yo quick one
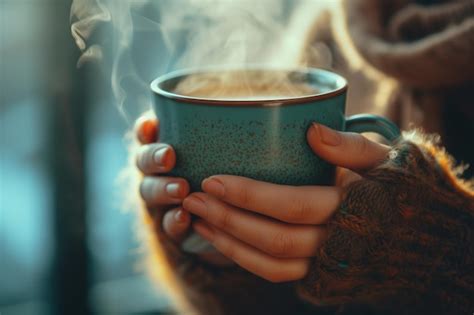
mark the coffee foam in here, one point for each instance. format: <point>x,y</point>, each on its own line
<point>245,85</point>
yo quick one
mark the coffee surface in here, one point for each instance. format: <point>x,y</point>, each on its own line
<point>242,85</point>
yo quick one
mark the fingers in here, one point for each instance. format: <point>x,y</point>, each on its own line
<point>349,150</point>
<point>155,158</point>
<point>292,204</point>
<point>273,237</point>
<point>146,129</point>
<point>268,267</point>
<point>176,224</point>
<point>161,191</point>
<point>344,177</point>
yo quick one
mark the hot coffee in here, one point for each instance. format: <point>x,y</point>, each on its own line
<point>245,85</point>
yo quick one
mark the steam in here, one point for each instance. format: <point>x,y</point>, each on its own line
<point>245,84</point>
<point>138,40</point>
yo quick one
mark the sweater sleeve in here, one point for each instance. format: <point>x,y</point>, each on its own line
<point>402,238</point>
<point>420,45</point>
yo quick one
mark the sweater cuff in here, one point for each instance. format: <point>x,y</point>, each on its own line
<point>402,236</point>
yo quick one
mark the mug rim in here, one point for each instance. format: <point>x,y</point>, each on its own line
<point>338,79</point>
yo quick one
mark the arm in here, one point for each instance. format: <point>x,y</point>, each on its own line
<point>401,239</point>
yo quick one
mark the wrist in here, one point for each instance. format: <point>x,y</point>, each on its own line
<point>398,234</point>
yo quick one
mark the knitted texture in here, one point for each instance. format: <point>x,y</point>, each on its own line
<point>427,46</point>
<point>420,45</point>
<point>402,239</point>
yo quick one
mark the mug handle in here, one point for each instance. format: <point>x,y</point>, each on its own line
<point>373,123</point>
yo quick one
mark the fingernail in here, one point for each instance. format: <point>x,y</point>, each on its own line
<point>180,216</point>
<point>213,186</point>
<point>327,135</point>
<point>204,230</point>
<point>174,190</point>
<point>195,205</point>
<point>160,156</point>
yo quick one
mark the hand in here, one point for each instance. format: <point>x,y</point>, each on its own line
<point>273,230</point>
<point>164,195</point>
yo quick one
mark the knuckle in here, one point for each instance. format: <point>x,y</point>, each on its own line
<point>144,160</point>
<point>362,145</point>
<point>224,220</point>
<point>298,212</point>
<point>228,250</point>
<point>144,189</point>
<point>282,244</point>
<point>140,158</point>
<point>209,210</point>
<point>150,190</point>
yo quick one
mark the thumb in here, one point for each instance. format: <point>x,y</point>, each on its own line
<point>345,149</point>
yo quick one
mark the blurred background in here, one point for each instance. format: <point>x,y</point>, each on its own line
<point>65,245</point>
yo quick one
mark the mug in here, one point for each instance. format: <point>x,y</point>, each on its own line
<point>263,139</point>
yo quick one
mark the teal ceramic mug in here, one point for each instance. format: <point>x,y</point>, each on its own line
<point>263,138</point>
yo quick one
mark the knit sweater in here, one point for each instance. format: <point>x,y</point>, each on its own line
<point>403,238</point>
<point>427,47</point>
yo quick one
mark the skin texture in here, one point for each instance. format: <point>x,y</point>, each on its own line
<point>270,230</point>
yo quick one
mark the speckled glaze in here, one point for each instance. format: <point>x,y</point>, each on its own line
<point>264,140</point>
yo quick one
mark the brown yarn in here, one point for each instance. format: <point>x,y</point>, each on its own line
<point>420,46</point>
<point>402,240</point>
